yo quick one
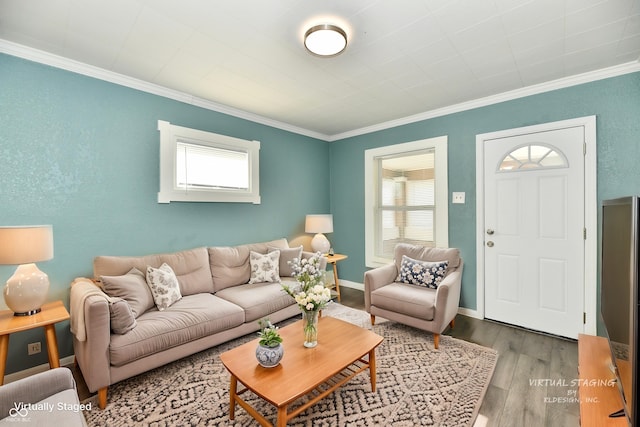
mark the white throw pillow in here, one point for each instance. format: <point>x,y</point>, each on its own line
<point>265,268</point>
<point>164,286</point>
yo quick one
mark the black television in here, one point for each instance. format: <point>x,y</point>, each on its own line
<point>619,295</point>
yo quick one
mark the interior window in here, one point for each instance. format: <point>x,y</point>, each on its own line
<point>405,192</point>
<point>198,166</point>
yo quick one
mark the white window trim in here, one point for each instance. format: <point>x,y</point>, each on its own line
<point>169,137</point>
<point>371,189</point>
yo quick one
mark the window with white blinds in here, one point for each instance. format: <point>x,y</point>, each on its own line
<point>198,166</point>
<point>405,192</point>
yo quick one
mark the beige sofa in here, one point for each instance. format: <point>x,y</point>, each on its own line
<point>218,304</point>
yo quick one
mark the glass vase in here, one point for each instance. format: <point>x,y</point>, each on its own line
<point>310,325</point>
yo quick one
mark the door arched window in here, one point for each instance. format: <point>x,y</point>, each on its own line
<point>533,156</point>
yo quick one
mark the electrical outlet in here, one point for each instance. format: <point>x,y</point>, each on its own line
<point>34,348</point>
<point>458,197</point>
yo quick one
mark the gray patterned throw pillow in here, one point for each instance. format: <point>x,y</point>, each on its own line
<point>265,268</point>
<point>164,286</point>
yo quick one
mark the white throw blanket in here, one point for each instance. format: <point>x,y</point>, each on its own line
<point>81,289</point>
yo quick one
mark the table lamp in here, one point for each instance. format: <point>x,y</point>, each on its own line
<point>319,224</point>
<point>27,289</point>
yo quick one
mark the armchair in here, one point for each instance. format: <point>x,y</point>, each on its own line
<point>387,295</point>
<point>46,398</point>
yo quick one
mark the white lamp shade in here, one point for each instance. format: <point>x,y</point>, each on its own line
<point>319,223</point>
<point>27,289</point>
<point>23,245</point>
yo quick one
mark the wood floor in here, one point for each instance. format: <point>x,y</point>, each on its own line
<point>532,385</point>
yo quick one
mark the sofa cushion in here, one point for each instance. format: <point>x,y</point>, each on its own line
<point>230,264</point>
<point>422,273</point>
<point>258,299</point>
<point>191,318</point>
<point>122,318</point>
<point>164,286</point>
<point>286,257</point>
<point>265,267</point>
<point>132,287</point>
<point>414,301</point>
<point>424,253</point>
<point>191,268</point>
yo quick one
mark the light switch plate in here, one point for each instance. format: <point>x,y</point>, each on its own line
<point>458,197</point>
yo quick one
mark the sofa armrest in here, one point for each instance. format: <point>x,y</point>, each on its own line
<point>92,354</point>
<point>35,388</point>
<point>377,278</point>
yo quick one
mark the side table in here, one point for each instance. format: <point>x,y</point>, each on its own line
<point>335,259</point>
<point>52,313</point>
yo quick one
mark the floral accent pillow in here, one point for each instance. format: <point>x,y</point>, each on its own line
<point>265,267</point>
<point>164,286</point>
<point>422,273</point>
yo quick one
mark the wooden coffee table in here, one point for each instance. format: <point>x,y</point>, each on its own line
<point>312,372</point>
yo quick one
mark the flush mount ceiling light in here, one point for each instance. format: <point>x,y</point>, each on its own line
<point>325,40</point>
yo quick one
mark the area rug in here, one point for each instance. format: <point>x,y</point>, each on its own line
<point>416,385</point>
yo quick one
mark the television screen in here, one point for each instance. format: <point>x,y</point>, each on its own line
<point>618,296</point>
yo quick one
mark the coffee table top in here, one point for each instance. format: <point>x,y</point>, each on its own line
<point>339,345</point>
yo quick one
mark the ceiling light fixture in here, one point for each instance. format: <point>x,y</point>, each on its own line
<point>325,40</point>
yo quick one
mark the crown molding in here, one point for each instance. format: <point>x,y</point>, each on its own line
<point>77,67</point>
<point>35,55</point>
<point>578,79</point>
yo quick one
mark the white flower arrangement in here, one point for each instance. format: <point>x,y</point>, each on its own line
<point>312,295</point>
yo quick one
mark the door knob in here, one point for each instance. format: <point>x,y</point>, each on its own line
<point>490,231</point>
<point>490,243</point>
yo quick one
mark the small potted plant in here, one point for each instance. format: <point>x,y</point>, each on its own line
<point>269,351</point>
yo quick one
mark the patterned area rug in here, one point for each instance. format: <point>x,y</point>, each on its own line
<point>416,385</point>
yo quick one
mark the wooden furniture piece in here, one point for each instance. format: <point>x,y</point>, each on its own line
<point>317,372</point>
<point>333,260</point>
<point>51,314</point>
<point>598,390</point>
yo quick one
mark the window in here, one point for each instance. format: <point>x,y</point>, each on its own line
<point>198,166</point>
<point>405,197</point>
<point>533,156</point>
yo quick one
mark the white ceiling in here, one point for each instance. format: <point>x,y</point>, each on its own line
<point>404,57</point>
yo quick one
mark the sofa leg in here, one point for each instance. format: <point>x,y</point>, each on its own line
<point>436,340</point>
<point>373,320</point>
<point>452,323</point>
<point>102,397</point>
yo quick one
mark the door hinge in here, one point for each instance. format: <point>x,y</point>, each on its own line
<point>584,318</point>
<point>584,233</point>
<point>584,148</point>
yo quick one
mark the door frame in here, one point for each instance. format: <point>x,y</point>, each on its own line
<point>590,211</point>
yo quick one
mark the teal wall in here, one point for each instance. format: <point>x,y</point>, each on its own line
<point>615,102</point>
<point>82,154</point>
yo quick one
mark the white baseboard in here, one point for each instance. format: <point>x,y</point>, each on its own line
<point>35,370</point>
<point>352,285</point>
<point>469,312</point>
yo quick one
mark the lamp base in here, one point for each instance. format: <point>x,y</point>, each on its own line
<point>26,290</point>
<point>29,313</point>
<point>320,243</point>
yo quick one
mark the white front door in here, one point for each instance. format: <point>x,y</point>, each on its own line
<point>534,225</point>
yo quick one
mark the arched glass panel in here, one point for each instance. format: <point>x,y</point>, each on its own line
<point>533,156</point>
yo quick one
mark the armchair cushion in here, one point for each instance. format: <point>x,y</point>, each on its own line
<point>422,273</point>
<point>410,300</point>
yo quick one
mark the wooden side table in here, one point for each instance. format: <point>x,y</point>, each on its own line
<point>52,313</point>
<point>335,259</point>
